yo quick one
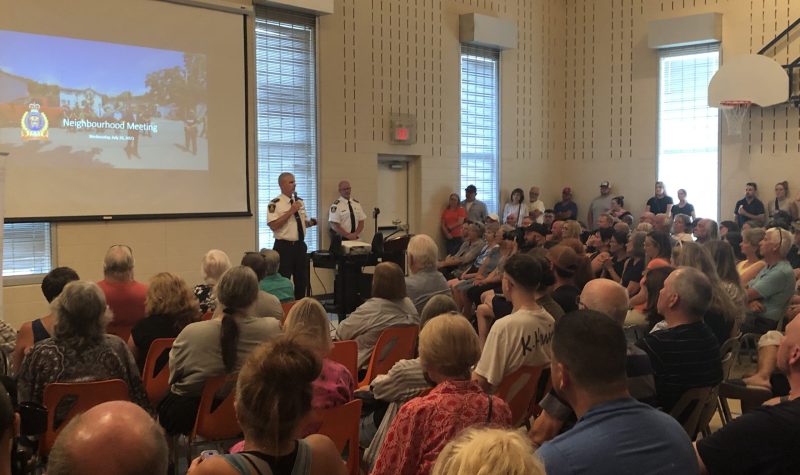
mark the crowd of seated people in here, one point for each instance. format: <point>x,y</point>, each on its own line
<point>624,318</point>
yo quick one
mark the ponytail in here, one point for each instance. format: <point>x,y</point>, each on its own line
<point>229,339</point>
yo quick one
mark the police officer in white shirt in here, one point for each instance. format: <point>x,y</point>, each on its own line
<point>286,216</point>
<point>346,217</point>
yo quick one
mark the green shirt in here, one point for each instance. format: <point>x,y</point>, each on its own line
<point>278,286</point>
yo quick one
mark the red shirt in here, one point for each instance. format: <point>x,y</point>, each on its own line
<point>424,425</point>
<point>126,301</point>
<point>450,218</point>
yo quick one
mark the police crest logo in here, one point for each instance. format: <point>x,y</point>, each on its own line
<point>271,207</point>
<point>34,124</point>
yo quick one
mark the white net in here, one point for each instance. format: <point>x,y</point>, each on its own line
<point>735,112</point>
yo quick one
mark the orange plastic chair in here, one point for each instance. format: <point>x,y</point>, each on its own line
<point>156,383</point>
<point>207,316</point>
<point>286,307</point>
<point>346,354</point>
<point>394,344</point>
<point>86,395</point>
<point>341,425</point>
<point>216,420</point>
<point>518,389</point>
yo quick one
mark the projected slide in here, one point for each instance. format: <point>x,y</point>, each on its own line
<point>75,103</point>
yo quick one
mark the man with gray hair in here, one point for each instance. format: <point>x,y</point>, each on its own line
<point>124,295</point>
<point>768,293</point>
<point>274,283</point>
<point>611,299</point>
<point>86,445</point>
<point>706,230</point>
<point>457,263</point>
<point>685,354</point>
<point>425,281</point>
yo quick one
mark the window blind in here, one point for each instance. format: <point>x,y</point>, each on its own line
<point>688,130</point>
<point>26,249</point>
<point>480,127</point>
<point>286,111</point>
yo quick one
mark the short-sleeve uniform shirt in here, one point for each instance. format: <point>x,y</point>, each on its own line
<point>340,213</point>
<point>280,206</point>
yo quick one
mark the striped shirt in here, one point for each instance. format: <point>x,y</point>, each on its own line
<point>683,357</point>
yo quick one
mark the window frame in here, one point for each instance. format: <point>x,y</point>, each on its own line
<point>34,278</point>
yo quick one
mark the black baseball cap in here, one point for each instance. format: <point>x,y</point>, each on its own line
<point>537,228</point>
<point>471,188</point>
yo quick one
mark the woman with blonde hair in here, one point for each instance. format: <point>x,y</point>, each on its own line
<point>782,202</point>
<point>273,397</point>
<point>753,262</point>
<point>169,307</point>
<point>488,451</point>
<point>571,229</point>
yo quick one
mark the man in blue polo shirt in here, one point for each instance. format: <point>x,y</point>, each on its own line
<point>749,208</point>
<point>614,433</point>
<point>769,292</point>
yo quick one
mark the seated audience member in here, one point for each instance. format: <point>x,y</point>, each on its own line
<point>565,264</point>
<point>404,381</point>
<point>685,355</point>
<point>682,206</point>
<point>734,238</point>
<point>170,306</point>
<point>682,228</point>
<point>794,252</point>
<point>556,228</point>
<point>213,347</point>
<point>273,282</point>
<point>215,263</point>
<point>768,345</point>
<point>124,295</point>
<point>488,451</point>
<point>452,223</point>
<point>534,235</point>
<point>40,329</point>
<point>9,427</point>
<point>611,299</point>
<point>753,261</point>
<point>614,433</point>
<point>769,292</point>
<point>80,350</point>
<point>662,223</point>
<point>612,264</point>
<point>549,217</point>
<point>723,315</point>
<point>634,266</point>
<point>424,280</point>
<point>267,305</point>
<point>647,218</point>
<point>725,264</point>
<point>646,314</point>
<point>487,259</point>
<point>86,444</point>
<point>389,306</point>
<point>467,294</point>
<point>493,218</point>
<point>622,227</point>
<point>764,440</point>
<point>619,212</point>
<point>728,226</point>
<point>646,228</point>
<point>273,397</point>
<point>455,264</point>
<point>571,229</point>
<point>705,230</point>
<point>657,249</point>
<point>448,348</point>
<point>523,337</point>
<point>583,273</point>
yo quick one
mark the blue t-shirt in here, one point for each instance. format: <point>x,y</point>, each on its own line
<point>621,437</point>
<point>776,285</point>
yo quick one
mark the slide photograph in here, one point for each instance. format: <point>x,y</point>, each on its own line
<point>68,102</point>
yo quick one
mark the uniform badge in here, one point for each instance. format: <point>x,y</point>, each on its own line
<point>34,124</point>
<point>333,209</point>
<point>271,207</point>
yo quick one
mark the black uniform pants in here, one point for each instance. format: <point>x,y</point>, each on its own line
<point>294,264</point>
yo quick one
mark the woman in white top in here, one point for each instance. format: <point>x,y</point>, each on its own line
<point>516,206</point>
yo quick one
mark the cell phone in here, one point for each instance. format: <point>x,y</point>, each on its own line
<point>208,453</point>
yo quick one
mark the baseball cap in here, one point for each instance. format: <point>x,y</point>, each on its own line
<point>604,184</point>
<point>493,217</point>
<point>471,188</point>
<point>537,228</point>
<point>564,257</point>
<point>566,190</point>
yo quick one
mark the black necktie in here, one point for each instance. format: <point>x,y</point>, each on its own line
<point>300,233</point>
<point>352,217</point>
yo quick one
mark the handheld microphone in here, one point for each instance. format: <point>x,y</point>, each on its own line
<point>297,197</point>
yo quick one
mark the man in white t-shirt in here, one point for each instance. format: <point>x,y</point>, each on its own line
<point>599,205</point>
<point>537,206</point>
<point>523,337</point>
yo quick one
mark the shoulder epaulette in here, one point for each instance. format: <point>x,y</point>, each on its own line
<point>354,200</point>
<point>336,202</point>
<point>275,200</point>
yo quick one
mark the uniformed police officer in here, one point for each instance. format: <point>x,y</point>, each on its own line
<point>346,217</point>
<point>287,218</point>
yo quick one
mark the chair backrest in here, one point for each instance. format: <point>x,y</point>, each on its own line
<point>346,353</point>
<point>394,344</point>
<point>695,409</point>
<point>728,352</point>
<point>341,424</point>
<point>519,389</point>
<point>286,306</point>
<point>79,397</point>
<point>216,417</point>
<point>155,375</point>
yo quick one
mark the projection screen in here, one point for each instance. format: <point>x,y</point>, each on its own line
<point>113,108</point>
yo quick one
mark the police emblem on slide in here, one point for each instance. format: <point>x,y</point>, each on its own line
<point>34,124</point>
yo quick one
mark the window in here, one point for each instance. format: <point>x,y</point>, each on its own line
<point>688,130</point>
<point>286,112</point>
<point>480,125</point>
<point>26,249</point>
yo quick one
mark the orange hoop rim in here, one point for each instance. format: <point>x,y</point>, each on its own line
<point>735,103</point>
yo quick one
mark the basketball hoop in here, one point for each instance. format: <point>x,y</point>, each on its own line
<point>735,112</point>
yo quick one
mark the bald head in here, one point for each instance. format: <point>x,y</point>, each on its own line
<point>118,263</point>
<point>84,446</point>
<point>345,189</point>
<point>606,296</point>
